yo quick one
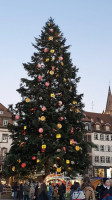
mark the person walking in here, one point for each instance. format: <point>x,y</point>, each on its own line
<point>1,189</point>
<point>76,193</point>
<point>50,192</point>
<point>88,189</point>
<point>26,190</point>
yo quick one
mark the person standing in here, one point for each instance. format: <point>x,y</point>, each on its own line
<point>50,192</point>
<point>61,191</point>
<point>42,192</point>
<point>36,192</point>
<point>26,190</point>
<point>1,189</point>
<point>15,190</point>
<point>105,190</point>
<point>55,191</point>
<point>88,189</point>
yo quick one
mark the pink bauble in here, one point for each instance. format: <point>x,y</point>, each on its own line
<point>41,59</point>
<point>47,84</point>
<point>39,78</point>
<point>17,117</point>
<point>60,58</point>
<point>72,130</point>
<point>44,108</point>
<point>60,103</point>
<point>39,66</point>
<point>46,50</point>
<point>34,158</point>
<point>59,94</point>
<point>64,149</point>
<point>61,118</point>
<point>40,130</point>
<point>51,30</point>
<point>53,68</point>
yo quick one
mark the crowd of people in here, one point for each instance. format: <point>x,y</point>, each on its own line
<point>53,191</point>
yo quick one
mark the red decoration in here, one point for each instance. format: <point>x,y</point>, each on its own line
<point>64,149</point>
<point>39,66</point>
<point>43,150</point>
<point>32,109</point>
<point>17,117</point>
<point>40,130</point>
<point>59,103</point>
<point>61,118</point>
<point>51,30</point>
<point>40,136</point>
<point>39,78</point>
<point>59,94</point>
<point>23,165</point>
<point>72,130</point>
<point>47,84</point>
<point>44,108</point>
<point>46,50</point>
<point>53,68</point>
<point>23,132</point>
<point>60,58</point>
<point>34,158</point>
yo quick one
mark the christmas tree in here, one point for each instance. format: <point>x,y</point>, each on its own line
<point>48,133</point>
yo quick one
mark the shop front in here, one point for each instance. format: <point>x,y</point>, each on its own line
<point>101,172</point>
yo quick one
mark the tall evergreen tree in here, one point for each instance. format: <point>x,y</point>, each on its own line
<point>48,133</point>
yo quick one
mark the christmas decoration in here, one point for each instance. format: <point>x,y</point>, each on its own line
<point>27,100</point>
<point>34,158</point>
<point>44,108</point>
<point>39,66</point>
<point>38,160</point>
<point>59,169</point>
<point>67,161</point>
<point>39,78</point>
<point>47,60</point>
<point>51,72</point>
<point>46,50</point>
<point>40,130</point>
<point>43,146</point>
<point>74,102</point>
<point>47,84</point>
<point>59,103</point>
<point>52,51</point>
<point>61,118</point>
<point>53,68</point>
<point>13,168</point>
<point>58,136</point>
<point>60,58</point>
<point>23,165</point>
<point>77,148</point>
<point>51,38</point>
<point>53,95</point>
<point>51,30</point>
<point>17,117</point>
<point>42,118</point>
<point>25,127</point>
<point>59,126</point>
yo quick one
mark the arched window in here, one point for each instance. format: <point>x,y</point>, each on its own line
<point>3,151</point>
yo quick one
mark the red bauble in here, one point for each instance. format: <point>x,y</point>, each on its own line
<point>59,103</point>
<point>60,58</point>
<point>40,130</point>
<point>53,68</point>
<point>64,149</point>
<point>43,150</point>
<point>61,118</point>
<point>72,130</point>
<point>23,165</point>
<point>44,108</point>
<point>46,50</point>
<point>17,117</point>
<point>47,84</point>
<point>34,158</point>
<point>51,30</point>
<point>39,66</point>
<point>39,78</point>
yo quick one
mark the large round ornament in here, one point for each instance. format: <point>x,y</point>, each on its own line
<point>23,165</point>
<point>60,58</point>
<point>53,95</point>
<point>46,50</point>
<point>34,158</point>
<point>51,72</point>
<point>42,118</point>
<point>59,103</point>
<point>59,126</point>
<point>47,84</point>
<point>17,117</point>
<point>40,130</point>
<point>27,100</point>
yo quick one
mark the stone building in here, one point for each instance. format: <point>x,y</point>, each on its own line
<point>5,140</point>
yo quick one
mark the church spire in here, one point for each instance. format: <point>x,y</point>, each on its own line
<point>109,102</point>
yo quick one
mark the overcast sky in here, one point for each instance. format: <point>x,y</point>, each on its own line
<point>87,26</point>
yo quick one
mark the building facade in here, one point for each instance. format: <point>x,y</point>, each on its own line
<point>99,131</point>
<point>5,140</point>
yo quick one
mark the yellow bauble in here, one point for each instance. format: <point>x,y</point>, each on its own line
<point>74,102</point>
<point>44,146</point>
<point>62,63</point>
<point>59,126</point>
<point>69,168</point>
<point>53,95</point>
<point>58,136</point>
<point>27,100</point>
<point>51,72</point>
<point>19,160</point>
<point>77,148</point>
<point>67,161</point>
<point>47,60</point>
<point>77,110</point>
<point>42,118</point>
<point>59,169</point>
<point>50,37</point>
<point>52,51</point>
<point>64,79</point>
<point>38,160</point>
<point>13,168</point>
<point>25,127</point>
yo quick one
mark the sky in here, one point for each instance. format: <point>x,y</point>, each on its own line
<point>87,26</point>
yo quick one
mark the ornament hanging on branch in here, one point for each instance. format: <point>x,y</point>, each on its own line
<point>51,30</point>
<point>46,50</point>
<point>47,84</point>
<point>42,118</point>
<point>40,130</point>
<point>23,165</point>
<point>17,117</point>
<point>39,66</point>
<point>44,108</point>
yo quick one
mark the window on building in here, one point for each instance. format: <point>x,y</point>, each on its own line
<point>5,122</point>
<point>95,136</point>
<point>89,138</point>
<point>4,151</point>
<point>97,127</point>
<point>107,148</point>
<point>102,121</point>
<point>96,148</point>
<point>96,158</point>
<point>4,137</point>
<point>1,112</point>
<point>107,128</point>
<point>107,159</point>
<point>107,137</point>
<point>101,136</point>
<point>92,120</point>
<point>101,147</point>
<point>86,127</point>
<point>102,159</point>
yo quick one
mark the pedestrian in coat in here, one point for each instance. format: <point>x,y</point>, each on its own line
<point>50,192</point>
<point>55,191</point>
<point>88,189</point>
<point>26,190</point>
<point>42,192</point>
<point>106,190</point>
